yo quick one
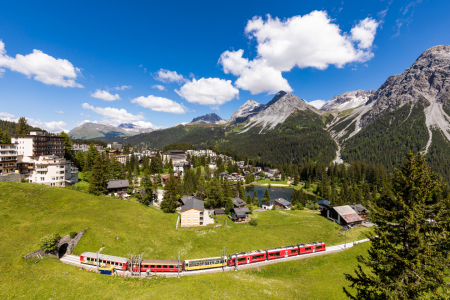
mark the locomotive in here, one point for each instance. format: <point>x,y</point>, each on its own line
<point>243,258</point>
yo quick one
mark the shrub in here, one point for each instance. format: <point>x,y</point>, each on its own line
<point>273,207</point>
<point>24,181</point>
<point>299,207</point>
<point>253,222</point>
<point>72,234</point>
<point>49,242</point>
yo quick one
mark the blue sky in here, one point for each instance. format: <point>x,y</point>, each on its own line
<point>159,63</point>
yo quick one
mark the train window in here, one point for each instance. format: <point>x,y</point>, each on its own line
<point>319,247</point>
<point>166,266</point>
<point>159,266</point>
<point>294,251</point>
<point>258,256</point>
<point>152,266</point>
<point>241,259</point>
<point>308,249</point>
<point>274,254</point>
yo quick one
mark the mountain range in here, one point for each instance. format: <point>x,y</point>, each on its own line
<point>409,112</point>
<point>90,130</point>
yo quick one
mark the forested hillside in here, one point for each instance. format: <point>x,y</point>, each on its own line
<point>389,138</point>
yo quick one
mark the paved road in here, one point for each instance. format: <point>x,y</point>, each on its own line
<point>75,261</point>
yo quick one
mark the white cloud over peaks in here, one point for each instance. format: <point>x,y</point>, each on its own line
<point>317,103</point>
<point>208,91</point>
<point>169,76</point>
<point>312,40</point>
<point>122,88</point>
<point>54,126</point>
<point>105,95</point>
<point>255,76</point>
<point>159,104</point>
<point>144,124</point>
<point>159,87</point>
<point>114,115</point>
<point>42,67</point>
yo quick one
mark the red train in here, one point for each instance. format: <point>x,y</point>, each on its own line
<point>173,266</point>
<point>274,253</point>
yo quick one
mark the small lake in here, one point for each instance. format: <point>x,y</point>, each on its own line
<point>274,192</point>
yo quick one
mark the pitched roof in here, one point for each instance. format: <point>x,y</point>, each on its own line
<point>238,202</point>
<point>117,184</point>
<point>348,214</point>
<point>323,202</point>
<point>279,201</point>
<point>219,211</point>
<point>359,208</point>
<point>193,203</point>
<point>241,212</point>
<point>186,198</point>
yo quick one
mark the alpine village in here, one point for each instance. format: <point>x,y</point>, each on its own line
<point>285,199</point>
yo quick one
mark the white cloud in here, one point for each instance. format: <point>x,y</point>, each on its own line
<point>169,76</point>
<point>54,126</point>
<point>144,124</point>
<point>159,87</point>
<point>87,116</point>
<point>105,95</point>
<point>123,87</point>
<point>317,103</point>
<point>311,40</point>
<point>114,115</point>
<point>208,91</point>
<point>159,104</point>
<point>364,33</point>
<point>42,67</point>
<point>59,111</point>
<point>254,76</point>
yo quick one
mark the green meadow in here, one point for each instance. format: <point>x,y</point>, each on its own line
<point>28,212</point>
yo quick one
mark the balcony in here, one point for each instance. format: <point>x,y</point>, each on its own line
<point>10,153</point>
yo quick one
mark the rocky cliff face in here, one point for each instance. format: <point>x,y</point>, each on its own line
<point>277,111</point>
<point>426,82</point>
<point>247,110</point>
<point>348,100</point>
<point>209,118</point>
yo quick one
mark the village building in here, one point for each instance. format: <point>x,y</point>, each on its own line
<point>115,145</point>
<point>343,215</point>
<point>181,167</point>
<point>175,155</point>
<point>8,158</point>
<point>118,185</point>
<point>240,212</point>
<point>279,203</point>
<point>193,213</point>
<point>360,210</point>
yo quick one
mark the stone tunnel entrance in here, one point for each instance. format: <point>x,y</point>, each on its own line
<point>62,250</point>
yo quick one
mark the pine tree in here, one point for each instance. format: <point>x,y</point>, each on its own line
<point>4,137</point>
<point>408,258</point>
<point>79,160</point>
<point>228,206</point>
<point>266,196</point>
<point>148,187</point>
<point>171,195</point>
<point>255,198</point>
<point>22,126</point>
<point>97,180</point>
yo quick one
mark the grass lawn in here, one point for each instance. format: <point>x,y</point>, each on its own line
<point>29,211</point>
<point>267,181</point>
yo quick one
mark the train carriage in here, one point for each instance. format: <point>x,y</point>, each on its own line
<point>247,257</point>
<point>90,258</point>
<point>312,247</point>
<point>281,252</point>
<point>205,263</point>
<point>160,265</point>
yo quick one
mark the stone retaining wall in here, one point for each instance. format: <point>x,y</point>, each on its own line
<point>12,177</point>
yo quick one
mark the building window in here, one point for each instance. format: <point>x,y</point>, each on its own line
<point>42,178</point>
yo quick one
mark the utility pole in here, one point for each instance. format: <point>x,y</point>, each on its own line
<point>346,239</point>
<point>178,266</point>
<point>97,261</point>
<point>223,255</point>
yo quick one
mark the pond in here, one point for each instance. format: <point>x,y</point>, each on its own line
<point>274,192</point>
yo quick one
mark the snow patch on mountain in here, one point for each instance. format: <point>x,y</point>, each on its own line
<point>348,100</point>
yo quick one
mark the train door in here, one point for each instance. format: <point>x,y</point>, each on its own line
<point>286,253</point>
<point>314,249</point>
<point>248,259</point>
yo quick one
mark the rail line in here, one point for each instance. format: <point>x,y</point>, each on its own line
<point>75,261</point>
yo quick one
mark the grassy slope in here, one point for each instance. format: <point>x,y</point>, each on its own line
<point>29,212</point>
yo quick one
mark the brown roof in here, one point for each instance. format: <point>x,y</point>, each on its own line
<point>167,176</point>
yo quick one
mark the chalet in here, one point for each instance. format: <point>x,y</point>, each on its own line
<point>240,215</point>
<point>238,202</point>
<point>212,166</point>
<point>166,177</point>
<point>114,186</point>
<point>279,203</point>
<point>343,215</point>
<point>219,212</point>
<point>323,204</point>
<point>182,201</point>
<point>181,167</point>
<point>257,169</point>
<point>360,210</point>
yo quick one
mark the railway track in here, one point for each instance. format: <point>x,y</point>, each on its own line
<point>74,260</point>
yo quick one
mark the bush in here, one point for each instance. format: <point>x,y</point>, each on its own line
<point>273,207</point>
<point>299,206</point>
<point>312,206</point>
<point>49,242</point>
<point>253,222</point>
<point>72,234</point>
<point>24,181</point>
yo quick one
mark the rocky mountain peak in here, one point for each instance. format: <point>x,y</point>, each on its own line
<point>208,118</point>
<point>348,100</point>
